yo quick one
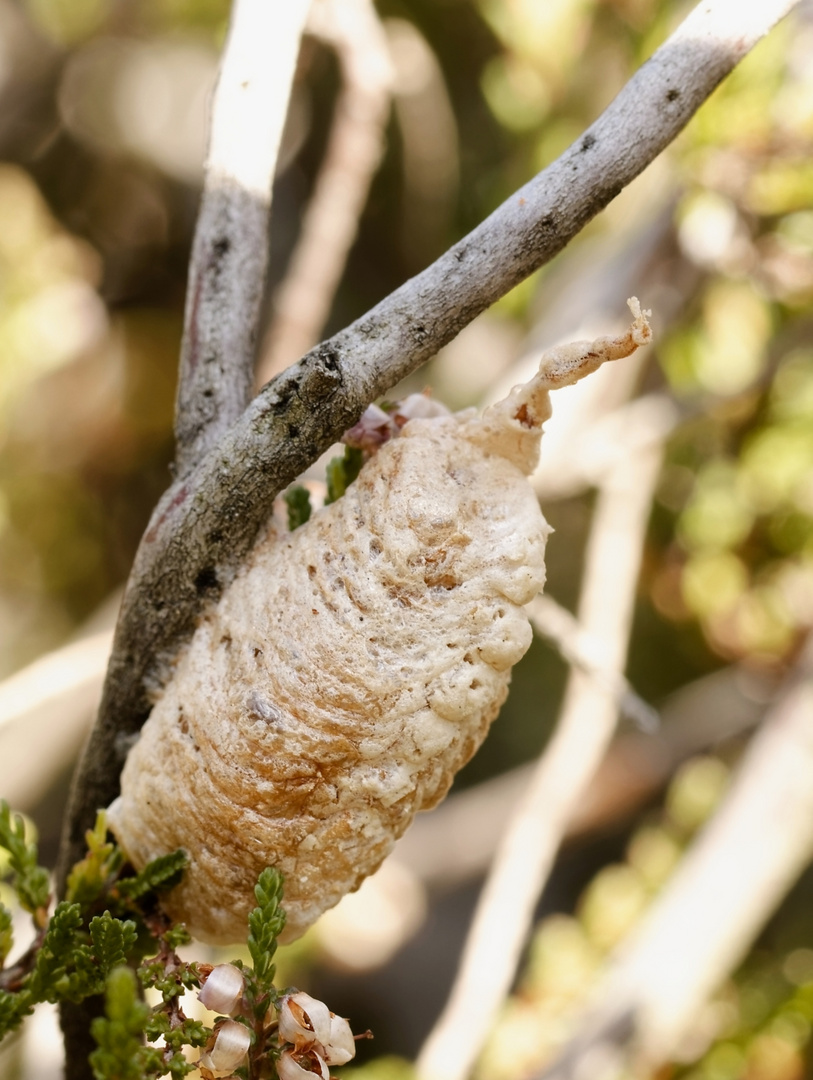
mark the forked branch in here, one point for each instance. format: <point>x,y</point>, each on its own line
<point>207,521</point>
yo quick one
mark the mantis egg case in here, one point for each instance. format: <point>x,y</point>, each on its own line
<point>350,669</point>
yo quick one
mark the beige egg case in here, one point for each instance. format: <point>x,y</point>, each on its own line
<point>351,668</point>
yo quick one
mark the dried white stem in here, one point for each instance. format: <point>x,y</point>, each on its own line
<point>230,251</point>
<point>302,303</point>
<point>711,911</point>
<point>569,763</point>
<point>558,626</point>
<point>48,704</point>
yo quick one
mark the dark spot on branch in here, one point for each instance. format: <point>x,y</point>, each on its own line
<point>588,142</point>
<point>206,580</point>
<point>329,356</point>
<point>540,234</point>
<point>323,378</point>
<point>221,247</point>
<point>672,94</point>
<point>285,392</point>
<point>293,431</point>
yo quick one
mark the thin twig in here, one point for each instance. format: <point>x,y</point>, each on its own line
<point>204,525</point>
<point>568,765</point>
<point>562,629</point>
<point>427,127</point>
<point>711,911</point>
<point>230,251</point>
<point>331,221</point>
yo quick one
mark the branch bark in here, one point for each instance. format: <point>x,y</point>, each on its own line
<point>224,297</point>
<point>207,521</point>
<point>230,251</point>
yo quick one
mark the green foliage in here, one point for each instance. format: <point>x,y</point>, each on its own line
<point>13,1008</point>
<point>341,472</point>
<point>90,877</point>
<point>30,881</point>
<point>108,926</point>
<point>6,934</point>
<point>266,923</point>
<point>120,1054</point>
<point>298,501</point>
<point>157,876</point>
<point>113,940</point>
<point>56,953</point>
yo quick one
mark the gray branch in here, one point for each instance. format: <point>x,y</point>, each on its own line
<point>205,524</point>
<point>230,251</point>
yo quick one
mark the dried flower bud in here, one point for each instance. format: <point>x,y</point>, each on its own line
<point>301,1065</point>
<point>231,1043</point>
<point>418,407</point>
<point>373,429</point>
<point>223,989</point>
<point>303,1020</point>
<point>340,1046</point>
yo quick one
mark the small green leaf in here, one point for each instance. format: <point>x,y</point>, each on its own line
<point>91,876</point>
<point>298,501</point>
<point>266,923</point>
<point>341,472</point>
<point>353,461</point>
<point>176,936</point>
<point>56,952</point>
<point>6,933</point>
<point>157,876</point>
<point>31,881</point>
<point>119,1054</point>
<point>112,941</point>
<point>13,1009</point>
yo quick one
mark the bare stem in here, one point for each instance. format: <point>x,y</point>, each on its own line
<point>556,624</point>
<point>230,250</point>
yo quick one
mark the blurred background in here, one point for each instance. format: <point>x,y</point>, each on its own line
<point>102,136</point>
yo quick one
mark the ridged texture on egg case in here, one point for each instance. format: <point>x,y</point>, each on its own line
<point>348,672</point>
<point>346,675</point>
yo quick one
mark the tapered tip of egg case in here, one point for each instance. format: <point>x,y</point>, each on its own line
<point>513,427</point>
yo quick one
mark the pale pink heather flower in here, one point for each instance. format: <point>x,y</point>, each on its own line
<point>230,1046</point>
<point>223,989</point>
<point>341,1046</point>
<point>301,1065</point>
<point>303,1020</point>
